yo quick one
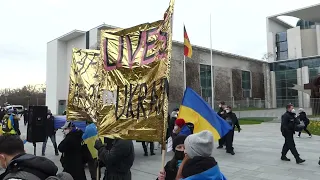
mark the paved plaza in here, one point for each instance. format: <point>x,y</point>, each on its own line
<point>257,157</point>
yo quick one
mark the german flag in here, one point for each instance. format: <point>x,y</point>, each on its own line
<point>187,44</point>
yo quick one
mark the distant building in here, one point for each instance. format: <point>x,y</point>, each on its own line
<point>293,55</point>
<point>239,80</point>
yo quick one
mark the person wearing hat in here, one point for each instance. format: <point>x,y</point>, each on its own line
<point>71,148</point>
<point>180,128</point>
<point>198,164</point>
<point>303,117</point>
<point>172,166</point>
<point>222,113</point>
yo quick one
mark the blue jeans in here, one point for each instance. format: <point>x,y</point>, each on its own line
<point>53,140</point>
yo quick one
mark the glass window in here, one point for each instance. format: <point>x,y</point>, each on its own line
<point>246,93</point>
<point>293,65</point>
<point>282,36</point>
<point>246,84</point>
<point>205,82</point>
<point>282,55</point>
<point>282,46</point>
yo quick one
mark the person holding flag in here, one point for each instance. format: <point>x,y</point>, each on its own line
<point>10,124</point>
<point>198,112</point>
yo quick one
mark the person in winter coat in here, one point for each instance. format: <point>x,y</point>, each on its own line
<point>51,133</point>
<point>222,113</point>
<point>198,164</point>
<point>180,128</point>
<point>172,166</point>
<point>70,147</point>
<point>288,120</point>
<point>21,166</point>
<point>232,119</point>
<point>303,117</point>
<point>118,160</point>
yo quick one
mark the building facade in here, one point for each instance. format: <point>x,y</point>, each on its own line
<point>238,80</point>
<point>293,56</point>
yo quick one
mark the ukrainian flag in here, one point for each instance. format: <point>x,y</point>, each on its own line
<point>89,137</point>
<point>197,111</point>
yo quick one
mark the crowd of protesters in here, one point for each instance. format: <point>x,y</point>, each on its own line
<point>192,157</point>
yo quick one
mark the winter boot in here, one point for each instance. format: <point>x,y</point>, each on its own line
<point>284,158</point>
<point>299,160</point>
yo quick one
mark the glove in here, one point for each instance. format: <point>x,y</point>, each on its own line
<point>98,144</point>
<point>239,130</point>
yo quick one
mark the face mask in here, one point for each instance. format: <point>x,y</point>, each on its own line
<point>176,128</point>
<point>293,111</point>
<point>227,111</point>
<point>66,131</point>
<point>179,155</point>
<point>219,105</point>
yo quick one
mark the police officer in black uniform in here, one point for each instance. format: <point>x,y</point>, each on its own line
<point>222,113</point>
<point>232,119</point>
<point>288,124</point>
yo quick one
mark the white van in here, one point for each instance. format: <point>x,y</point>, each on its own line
<point>19,108</point>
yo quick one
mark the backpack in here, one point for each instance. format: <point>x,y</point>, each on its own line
<point>7,124</point>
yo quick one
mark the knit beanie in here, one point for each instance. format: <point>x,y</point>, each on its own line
<point>178,140</point>
<point>180,122</point>
<point>199,144</point>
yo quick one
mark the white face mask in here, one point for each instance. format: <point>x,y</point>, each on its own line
<point>219,105</point>
<point>175,128</point>
<point>293,110</point>
<point>66,131</point>
<point>227,110</point>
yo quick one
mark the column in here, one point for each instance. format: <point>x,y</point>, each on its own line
<point>267,85</point>
<point>303,78</point>
<point>273,89</point>
<point>318,38</point>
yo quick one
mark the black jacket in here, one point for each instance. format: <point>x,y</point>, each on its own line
<point>197,165</point>
<point>303,117</point>
<point>233,117</point>
<point>118,160</point>
<point>38,166</point>
<point>222,113</point>
<point>288,121</point>
<point>71,158</point>
<point>50,130</point>
<point>2,113</point>
<point>171,169</point>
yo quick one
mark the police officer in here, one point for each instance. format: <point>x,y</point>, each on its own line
<point>232,119</point>
<point>222,113</point>
<point>288,123</point>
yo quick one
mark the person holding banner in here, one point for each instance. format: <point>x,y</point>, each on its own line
<point>172,166</point>
<point>118,160</point>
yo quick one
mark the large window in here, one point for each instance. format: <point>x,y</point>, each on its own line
<point>205,82</point>
<point>282,46</point>
<point>246,84</point>
<point>285,80</point>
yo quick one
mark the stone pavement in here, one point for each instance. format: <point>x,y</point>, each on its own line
<point>257,157</point>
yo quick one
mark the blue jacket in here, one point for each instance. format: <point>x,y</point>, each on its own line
<point>185,130</point>
<point>210,174</point>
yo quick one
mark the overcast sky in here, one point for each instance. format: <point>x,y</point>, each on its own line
<point>27,25</point>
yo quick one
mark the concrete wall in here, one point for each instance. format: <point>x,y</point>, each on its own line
<point>51,75</point>
<point>294,43</point>
<point>309,42</point>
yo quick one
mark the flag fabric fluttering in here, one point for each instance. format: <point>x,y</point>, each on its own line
<point>197,111</point>
<point>89,137</point>
<point>187,44</point>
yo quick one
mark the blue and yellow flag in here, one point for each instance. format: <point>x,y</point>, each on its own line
<point>197,111</point>
<point>90,136</point>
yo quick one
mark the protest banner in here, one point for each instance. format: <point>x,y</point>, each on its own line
<point>136,70</point>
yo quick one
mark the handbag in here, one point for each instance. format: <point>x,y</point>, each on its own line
<point>299,127</point>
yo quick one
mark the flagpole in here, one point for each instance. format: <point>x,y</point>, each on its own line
<point>184,73</point>
<point>212,72</point>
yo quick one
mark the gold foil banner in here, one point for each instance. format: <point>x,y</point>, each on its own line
<point>86,82</point>
<point>136,70</point>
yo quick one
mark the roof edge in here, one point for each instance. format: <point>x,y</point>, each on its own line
<point>68,34</point>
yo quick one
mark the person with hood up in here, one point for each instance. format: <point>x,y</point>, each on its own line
<point>70,147</point>
<point>21,166</point>
<point>172,166</point>
<point>198,164</point>
<point>180,128</point>
<point>303,117</point>
<point>118,157</point>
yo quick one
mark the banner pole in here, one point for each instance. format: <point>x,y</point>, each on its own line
<point>184,73</point>
<point>212,71</point>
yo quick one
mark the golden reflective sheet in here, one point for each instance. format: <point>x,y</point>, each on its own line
<point>136,68</point>
<point>84,100</point>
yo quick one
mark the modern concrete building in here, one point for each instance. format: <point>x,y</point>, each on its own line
<point>293,55</point>
<point>237,79</point>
